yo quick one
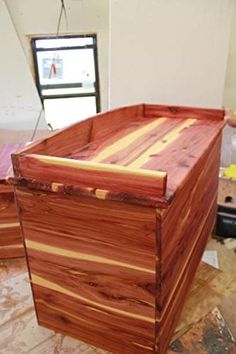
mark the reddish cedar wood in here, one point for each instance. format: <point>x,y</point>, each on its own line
<point>115,213</point>
<point>11,243</point>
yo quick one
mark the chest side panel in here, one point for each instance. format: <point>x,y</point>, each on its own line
<point>93,268</point>
<point>186,226</point>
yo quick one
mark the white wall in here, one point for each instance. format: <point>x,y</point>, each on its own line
<point>228,154</point>
<point>168,51</point>
<point>230,82</point>
<point>19,101</point>
<point>34,17</point>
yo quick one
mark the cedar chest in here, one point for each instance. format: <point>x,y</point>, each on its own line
<point>11,243</point>
<point>115,213</point>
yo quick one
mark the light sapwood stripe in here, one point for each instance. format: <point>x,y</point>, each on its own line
<point>127,140</point>
<point>143,346</point>
<point>138,147</point>
<point>82,256</point>
<point>80,319</point>
<point>7,226</point>
<point>57,310</point>
<point>161,144</point>
<point>93,166</point>
<point>53,286</point>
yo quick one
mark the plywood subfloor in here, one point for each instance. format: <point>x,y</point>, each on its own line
<point>210,301</point>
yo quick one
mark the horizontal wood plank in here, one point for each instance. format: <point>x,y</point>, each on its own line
<point>60,311</point>
<point>112,288</point>
<point>10,234</point>
<point>92,232</point>
<point>153,110</point>
<point>117,179</point>
<point>12,251</point>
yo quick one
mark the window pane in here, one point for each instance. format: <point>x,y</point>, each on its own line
<point>67,66</point>
<point>65,111</point>
<point>63,42</point>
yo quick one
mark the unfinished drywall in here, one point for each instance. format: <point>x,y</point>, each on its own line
<point>169,51</point>
<point>19,102</point>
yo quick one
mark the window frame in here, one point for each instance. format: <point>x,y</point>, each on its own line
<point>41,87</point>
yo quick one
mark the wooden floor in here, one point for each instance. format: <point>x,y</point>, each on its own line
<point>207,324</point>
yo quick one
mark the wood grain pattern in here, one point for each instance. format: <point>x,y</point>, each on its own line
<point>161,145</point>
<point>114,165</point>
<point>5,160</point>
<point>189,149</point>
<point>125,336</point>
<point>19,323</point>
<point>136,146</point>
<point>77,135</point>
<point>183,242</point>
<point>97,274</point>
<point>124,142</point>
<point>83,174</point>
<point>154,110</point>
<point>11,243</point>
<point>64,210</point>
<point>119,265</point>
<point>187,209</point>
<point>171,313</point>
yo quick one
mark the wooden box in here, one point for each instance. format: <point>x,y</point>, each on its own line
<point>116,211</point>
<point>11,243</point>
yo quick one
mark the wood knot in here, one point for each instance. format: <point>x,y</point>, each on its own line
<point>173,109</point>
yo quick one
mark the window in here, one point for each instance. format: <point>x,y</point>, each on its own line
<point>66,69</point>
